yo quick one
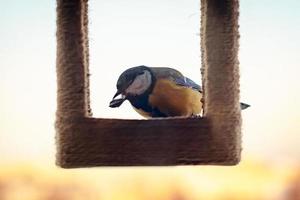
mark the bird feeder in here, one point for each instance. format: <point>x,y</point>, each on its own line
<point>214,139</point>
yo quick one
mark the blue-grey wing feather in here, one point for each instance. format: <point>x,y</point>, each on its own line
<point>186,82</point>
<point>176,76</point>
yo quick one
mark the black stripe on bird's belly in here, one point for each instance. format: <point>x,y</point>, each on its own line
<point>141,102</point>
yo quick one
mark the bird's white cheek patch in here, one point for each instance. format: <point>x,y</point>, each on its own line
<point>140,84</point>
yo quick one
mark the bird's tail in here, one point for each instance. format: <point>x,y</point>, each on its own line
<point>244,106</point>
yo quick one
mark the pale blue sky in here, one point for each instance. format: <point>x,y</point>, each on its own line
<point>154,33</point>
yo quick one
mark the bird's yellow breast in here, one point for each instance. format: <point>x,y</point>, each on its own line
<point>175,100</point>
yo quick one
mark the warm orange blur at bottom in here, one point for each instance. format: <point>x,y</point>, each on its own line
<point>250,180</point>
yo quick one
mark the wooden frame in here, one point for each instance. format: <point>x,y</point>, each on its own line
<point>84,141</point>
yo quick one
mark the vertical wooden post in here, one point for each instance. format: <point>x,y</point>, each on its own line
<point>72,59</point>
<point>220,43</point>
<point>72,72</point>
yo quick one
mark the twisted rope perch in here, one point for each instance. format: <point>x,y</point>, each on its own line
<point>84,141</point>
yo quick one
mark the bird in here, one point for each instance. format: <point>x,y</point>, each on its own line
<point>159,92</point>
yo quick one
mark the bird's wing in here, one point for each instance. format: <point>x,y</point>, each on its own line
<point>186,82</point>
<point>176,76</point>
<point>165,72</point>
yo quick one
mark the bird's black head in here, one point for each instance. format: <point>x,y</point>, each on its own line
<point>132,82</point>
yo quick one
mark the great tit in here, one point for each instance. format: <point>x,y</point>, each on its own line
<point>159,92</point>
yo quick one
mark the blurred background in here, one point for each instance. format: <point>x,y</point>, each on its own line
<point>154,33</point>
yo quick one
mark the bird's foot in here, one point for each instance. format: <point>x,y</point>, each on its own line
<point>195,116</point>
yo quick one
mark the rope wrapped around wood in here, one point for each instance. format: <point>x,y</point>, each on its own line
<point>83,141</point>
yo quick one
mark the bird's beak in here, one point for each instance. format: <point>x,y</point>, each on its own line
<point>117,102</point>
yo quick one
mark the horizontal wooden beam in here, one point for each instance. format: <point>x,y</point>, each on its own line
<point>89,142</point>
